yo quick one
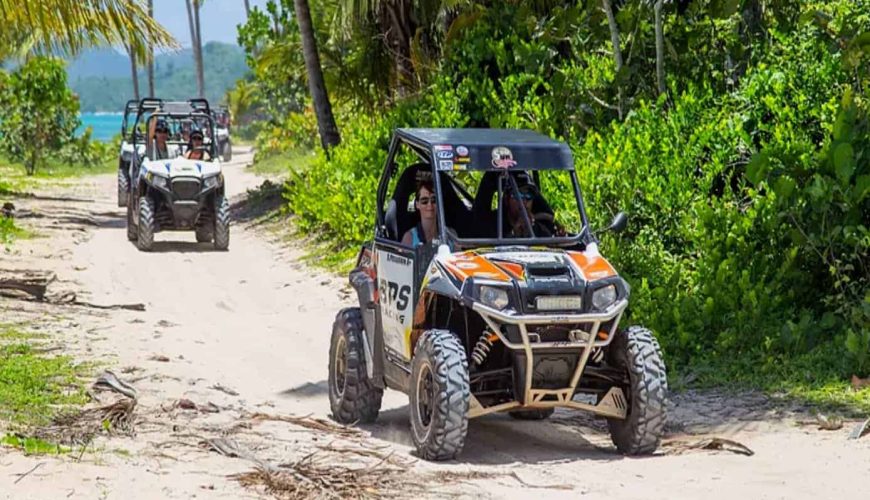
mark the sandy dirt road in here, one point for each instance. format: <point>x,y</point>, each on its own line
<point>248,331</point>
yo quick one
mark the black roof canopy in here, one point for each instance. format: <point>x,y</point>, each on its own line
<point>490,149</point>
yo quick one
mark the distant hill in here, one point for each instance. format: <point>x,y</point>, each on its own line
<point>101,78</point>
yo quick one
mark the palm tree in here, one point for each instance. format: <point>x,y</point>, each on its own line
<point>68,26</point>
<point>196,43</point>
<point>617,52</point>
<point>247,9</point>
<point>151,55</point>
<point>329,135</point>
<point>135,70</point>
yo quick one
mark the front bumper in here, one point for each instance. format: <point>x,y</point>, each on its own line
<point>612,405</point>
<point>185,198</point>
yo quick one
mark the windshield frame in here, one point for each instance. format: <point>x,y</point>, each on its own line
<point>427,153</point>
<point>196,115</point>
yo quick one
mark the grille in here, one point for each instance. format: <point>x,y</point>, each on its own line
<point>185,189</point>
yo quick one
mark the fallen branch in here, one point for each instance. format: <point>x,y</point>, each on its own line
<point>25,474</point>
<point>225,390</point>
<point>33,283</point>
<point>859,429</point>
<point>711,443</point>
<point>308,422</point>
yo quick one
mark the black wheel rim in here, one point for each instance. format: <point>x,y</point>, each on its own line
<point>339,369</point>
<point>425,396</point>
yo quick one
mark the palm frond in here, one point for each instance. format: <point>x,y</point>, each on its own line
<point>68,26</point>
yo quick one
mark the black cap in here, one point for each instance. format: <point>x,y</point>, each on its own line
<point>196,133</point>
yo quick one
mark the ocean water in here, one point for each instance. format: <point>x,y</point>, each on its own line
<point>105,125</point>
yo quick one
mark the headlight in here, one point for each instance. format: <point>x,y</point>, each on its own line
<point>157,181</point>
<point>604,297</point>
<point>559,302</point>
<point>494,297</point>
<point>212,181</point>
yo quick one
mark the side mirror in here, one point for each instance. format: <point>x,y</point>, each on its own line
<point>618,223</point>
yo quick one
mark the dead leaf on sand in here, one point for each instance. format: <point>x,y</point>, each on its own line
<point>859,383</point>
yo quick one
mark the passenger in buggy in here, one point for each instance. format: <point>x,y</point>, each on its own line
<point>195,148</point>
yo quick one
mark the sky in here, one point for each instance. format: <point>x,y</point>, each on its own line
<point>217,19</point>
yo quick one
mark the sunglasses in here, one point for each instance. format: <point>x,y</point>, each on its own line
<point>526,196</point>
<point>162,131</point>
<point>426,201</point>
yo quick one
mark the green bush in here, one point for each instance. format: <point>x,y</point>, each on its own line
<point>747,247</point>
<point>38,113</point>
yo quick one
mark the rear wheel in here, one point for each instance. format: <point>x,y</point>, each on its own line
<point>227,151</point>
<point>221,223</point>
<point>132,232</point>
<point>439,396</point>
<point>352,396</point>
<point>532,414</point>
<point>637,351</point>
<point>123,185</point>
<point>145,238</point>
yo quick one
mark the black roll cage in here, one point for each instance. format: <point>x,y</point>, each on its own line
<point>196,113</point>
<point>425,152</point>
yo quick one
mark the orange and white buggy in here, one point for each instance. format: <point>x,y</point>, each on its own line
<point>508,308</point>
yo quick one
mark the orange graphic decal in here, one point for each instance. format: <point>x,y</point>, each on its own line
<point>468,264</point>
<point>593,267</point>
<point>516,270</point>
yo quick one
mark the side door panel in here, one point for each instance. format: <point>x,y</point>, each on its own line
<point>396,296</point>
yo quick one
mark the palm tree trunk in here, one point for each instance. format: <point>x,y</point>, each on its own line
<point>200,75</point>
<point>400,29</point>
<point>151,54</point>
<point>193,23</point>
<point>135,72</point>
<point>247,9</point>
<point>660,48</point>
<point>329,135</point>
<point>617,52</point>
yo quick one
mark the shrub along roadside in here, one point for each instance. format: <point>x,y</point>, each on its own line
<point>748,240</point>
<point>35,388</point>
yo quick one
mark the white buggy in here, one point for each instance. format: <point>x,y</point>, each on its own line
<point>178,184</point>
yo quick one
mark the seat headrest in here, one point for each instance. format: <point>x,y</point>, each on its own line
<point>391,221</point>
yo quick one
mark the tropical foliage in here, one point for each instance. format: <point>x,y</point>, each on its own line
<point>734,133</point>
<point>71,25</point>
<point>38,113</point>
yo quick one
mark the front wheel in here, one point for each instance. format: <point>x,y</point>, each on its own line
<point>352,396</point>
<point>221,223</point>
<point>637,351</point>
<point>145,238</point>
<point>439,396</point>
<point>203,235</point>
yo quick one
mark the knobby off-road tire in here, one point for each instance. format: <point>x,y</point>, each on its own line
<point>221,223</point>
<point>204,234</point>
<point>532,414</point>
<point>123,186</point>
<point>637,351</point>
<point>145,240</point>
<point>352,396</point>
<point>132,232</point>
<point>227,153</point>
<point>439,396</point>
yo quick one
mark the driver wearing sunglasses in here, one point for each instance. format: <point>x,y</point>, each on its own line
<point>427,229</point>
<point>543,223</point>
